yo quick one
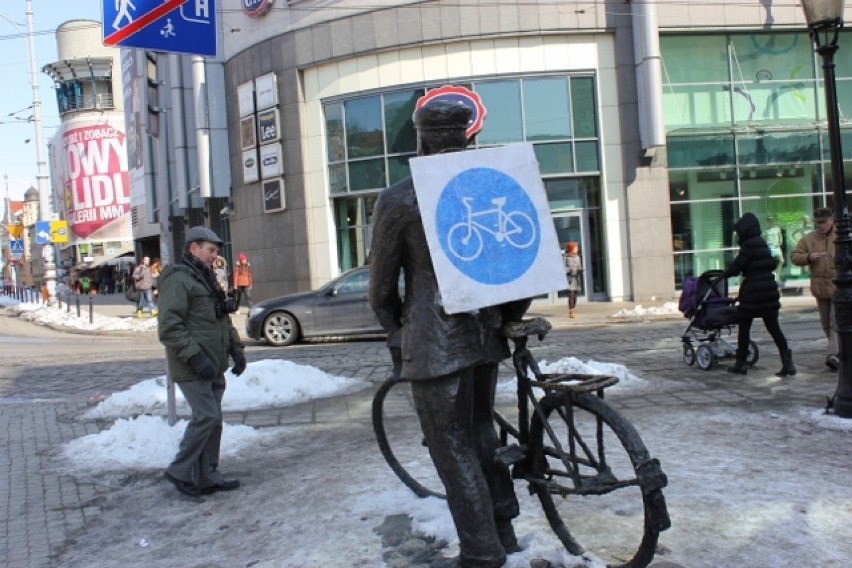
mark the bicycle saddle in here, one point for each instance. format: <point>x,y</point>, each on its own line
<point>525,328</point>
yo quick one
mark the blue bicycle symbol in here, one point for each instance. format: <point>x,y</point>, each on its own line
<point>465,239</point>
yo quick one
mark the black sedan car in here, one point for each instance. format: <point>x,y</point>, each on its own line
<point>336,309</point>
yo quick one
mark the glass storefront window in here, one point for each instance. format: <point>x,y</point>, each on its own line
<point>337,178</point>
<point>680,52</point>
<point>778,148</point>
<point>691,106</point>
<point>398,110</point>
<point>335,145</point>
<point>704,151</point>
<point>371,140</point>
<point>554,158</point>
<point>364,135</point>
<point>546,113</point>
<point>707,184</point>
<point>367,174</point>
<point>354,218</point>
<point>584,108</point>
<point>566,193</point>
<point>504,122</point>
<point>587,156</point>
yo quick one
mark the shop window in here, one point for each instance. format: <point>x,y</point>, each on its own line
<point>788,148</point>
<point>364,135</point>
<point>402,138</point>
<point>334,132</point>
<point>554,158</point>
<point>706,151</point>
<point>504,123</point>
<point>546,111</point>
<point>584,107</point>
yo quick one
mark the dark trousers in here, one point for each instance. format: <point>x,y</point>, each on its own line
<point>772,326</point>
<point>456,415</point>
<point>197,459</point>
<point>238,293</point>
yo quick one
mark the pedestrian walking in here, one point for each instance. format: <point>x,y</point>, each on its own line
<point>758,296</point>
<point>156,268</point>
<point>144,282</point>
<point>221,272</point>
<point>196,330</point>
<point>816,251</point>
<point>451,360</point>
<point>243,281</point>
<point>574,271</point>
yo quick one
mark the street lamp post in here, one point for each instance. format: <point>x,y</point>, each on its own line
<point>42,177</point>
<point>825,19</point>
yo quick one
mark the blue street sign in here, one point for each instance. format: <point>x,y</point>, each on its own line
<point>16,246</point>
<point>180,26</point>
<point>42,230</point>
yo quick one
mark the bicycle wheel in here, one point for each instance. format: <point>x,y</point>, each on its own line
<point>611,491</point>
<point>402,443</point>
<point>522,234</point>
<point>464,242</point>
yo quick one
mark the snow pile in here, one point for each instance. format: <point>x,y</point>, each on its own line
<point>62,318</point>
<point>667,309</point>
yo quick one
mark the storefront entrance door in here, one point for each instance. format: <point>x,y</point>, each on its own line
<point>572,227</point>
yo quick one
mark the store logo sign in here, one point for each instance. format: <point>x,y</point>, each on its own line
<point>256,8</point>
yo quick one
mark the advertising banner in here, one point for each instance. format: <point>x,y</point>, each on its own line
<point>95,188</point>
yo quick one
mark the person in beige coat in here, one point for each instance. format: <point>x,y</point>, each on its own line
<point>816,251</point>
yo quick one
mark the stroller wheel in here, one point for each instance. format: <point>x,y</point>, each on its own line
<point>688,354</point>
<point>704,357</point>
<point>753,354</point>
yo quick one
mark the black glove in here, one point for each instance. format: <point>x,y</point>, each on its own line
<point>239,363</point>
<point>203,367</point>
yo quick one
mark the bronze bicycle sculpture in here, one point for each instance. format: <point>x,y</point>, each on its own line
<point>584,461</point>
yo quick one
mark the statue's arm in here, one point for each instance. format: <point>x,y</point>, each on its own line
<point>385,265</point>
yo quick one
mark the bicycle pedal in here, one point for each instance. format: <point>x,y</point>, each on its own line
<point>511,454</point>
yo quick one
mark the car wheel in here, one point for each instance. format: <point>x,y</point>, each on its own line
<point>280,329</point>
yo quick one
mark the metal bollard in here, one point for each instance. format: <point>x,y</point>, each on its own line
<point>77,303</point>
<point>91,306</point>
<point>68,301</point>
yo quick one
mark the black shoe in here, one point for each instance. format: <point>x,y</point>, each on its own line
<point>832,362</point>
<point>185,487</point>
<point>224,485</point>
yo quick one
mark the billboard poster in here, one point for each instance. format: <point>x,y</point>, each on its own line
<point>95,188</point>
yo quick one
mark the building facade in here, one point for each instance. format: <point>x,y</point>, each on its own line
<point>656,125</point>
<point>88,153</point>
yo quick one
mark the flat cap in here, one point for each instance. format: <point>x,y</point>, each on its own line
<point>823,213</point>
<point>196,234</point>
<point>442,115</point>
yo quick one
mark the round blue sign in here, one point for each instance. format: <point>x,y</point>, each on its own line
<point>488,226</point>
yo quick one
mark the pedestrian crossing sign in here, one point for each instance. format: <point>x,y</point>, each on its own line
<point>16,246</point>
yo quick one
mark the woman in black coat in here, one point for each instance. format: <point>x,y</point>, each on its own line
<point>759,296</point>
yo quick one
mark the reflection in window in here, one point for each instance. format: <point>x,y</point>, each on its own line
<point>504,122</point>
<point>546,114</point>
<point>364,127</point>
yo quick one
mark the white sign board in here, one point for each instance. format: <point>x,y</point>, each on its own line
<point>488,226</point>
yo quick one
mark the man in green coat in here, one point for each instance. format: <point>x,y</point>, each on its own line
<point>197,332</point>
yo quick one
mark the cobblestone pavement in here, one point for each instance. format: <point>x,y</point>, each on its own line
<point>47,377</point>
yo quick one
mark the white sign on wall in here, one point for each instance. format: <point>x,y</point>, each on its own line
<point>266,88</point>
<point>488,226</point>
<point>245,98</point>
<point>250,169</point>
<point>270,161</point>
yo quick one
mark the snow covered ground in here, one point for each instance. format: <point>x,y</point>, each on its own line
<point>747,487</point>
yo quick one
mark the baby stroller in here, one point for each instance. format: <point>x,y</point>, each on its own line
<point>706,302</point>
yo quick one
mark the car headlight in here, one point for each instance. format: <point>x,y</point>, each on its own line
<point>254,310</point>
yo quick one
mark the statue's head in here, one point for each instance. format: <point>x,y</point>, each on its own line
<point>441,127</point>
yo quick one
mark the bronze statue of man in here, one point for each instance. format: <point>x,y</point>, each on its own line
<point>451,360</point>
